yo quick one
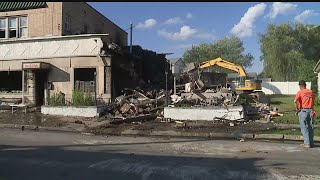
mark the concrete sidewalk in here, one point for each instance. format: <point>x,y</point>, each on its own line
<point>169,133</point>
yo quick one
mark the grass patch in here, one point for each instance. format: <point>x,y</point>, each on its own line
<point>290,131</point>
<point>286,106</point>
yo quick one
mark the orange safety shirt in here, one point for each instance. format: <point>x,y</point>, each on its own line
<point>305,98</point>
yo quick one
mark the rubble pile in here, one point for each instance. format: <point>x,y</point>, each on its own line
<point>136,105</point>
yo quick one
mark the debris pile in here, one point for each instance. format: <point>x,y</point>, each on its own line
<point>136,105</point>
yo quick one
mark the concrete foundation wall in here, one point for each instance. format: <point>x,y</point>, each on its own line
<point>91,111</point>
<point>204,113</point>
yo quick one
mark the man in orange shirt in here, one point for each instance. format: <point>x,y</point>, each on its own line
<point>304,102</point>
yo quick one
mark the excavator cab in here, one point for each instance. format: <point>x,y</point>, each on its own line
<point>250,85</point>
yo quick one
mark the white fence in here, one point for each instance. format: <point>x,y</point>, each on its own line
<point>288,88</point>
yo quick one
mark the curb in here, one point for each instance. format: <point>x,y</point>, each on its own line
<point>279,137</point>
<point>32,127</point>
<point>171,133</point>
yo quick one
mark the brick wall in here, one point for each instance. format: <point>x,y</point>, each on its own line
<point>83,15</point>
<point>43,21</point>
<point>49,21</point>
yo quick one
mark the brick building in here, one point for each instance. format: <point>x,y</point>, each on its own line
<point>47,47</point>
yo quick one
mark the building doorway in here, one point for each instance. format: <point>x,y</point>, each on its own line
<point>40,80</point>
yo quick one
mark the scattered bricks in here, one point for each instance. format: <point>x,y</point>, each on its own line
<point>180,124</point>
<point>125,108</point>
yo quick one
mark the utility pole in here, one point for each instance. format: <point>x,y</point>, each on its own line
<point>131,27</point>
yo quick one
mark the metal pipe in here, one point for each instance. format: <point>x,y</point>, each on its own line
<point>166,88</point>
<point>131,37</point>
<point>174,86</point>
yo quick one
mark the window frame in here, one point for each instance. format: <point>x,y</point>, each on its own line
<point>12,29</point>
<point>17,28</point>
<point>22,27</point>
<point>5,27</point>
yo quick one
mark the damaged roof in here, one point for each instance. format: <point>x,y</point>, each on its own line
<point>175,60</point>
<point>14,6</point>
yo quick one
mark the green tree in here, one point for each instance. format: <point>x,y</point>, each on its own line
<point>230,49</point>
<point>290,51</point>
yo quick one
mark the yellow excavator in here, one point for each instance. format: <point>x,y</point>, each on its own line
<point>245,85</point>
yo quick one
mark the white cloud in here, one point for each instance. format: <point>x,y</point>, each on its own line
<point>189,15</point>
<point>204,35</point>
<point>304,15</point>
<point>175,20</point>
<point>245,27</point>
<point>183,46</point>
<point>279,8</point>
<point>147,24</point>
<point>185,33</point>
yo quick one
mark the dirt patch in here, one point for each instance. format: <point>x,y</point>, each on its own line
<point>191,126</point>
<point>93,124</point>
<point>36,118</point>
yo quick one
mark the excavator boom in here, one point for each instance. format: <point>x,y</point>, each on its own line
<point>225,64</point>
<point>249,85</point>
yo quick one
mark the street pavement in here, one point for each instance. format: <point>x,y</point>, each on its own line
<point>55,155</point>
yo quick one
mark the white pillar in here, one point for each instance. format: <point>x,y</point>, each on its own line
<point>22,86</point>
<point>46,91</point>
<point>174,86</point>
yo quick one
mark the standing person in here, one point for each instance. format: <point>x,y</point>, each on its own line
<point>304,102</point>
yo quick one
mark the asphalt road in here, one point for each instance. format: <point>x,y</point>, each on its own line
<point>52,155</point>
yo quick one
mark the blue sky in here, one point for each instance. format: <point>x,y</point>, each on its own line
<point>176,26</point>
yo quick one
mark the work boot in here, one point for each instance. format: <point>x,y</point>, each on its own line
<point>305,145</point>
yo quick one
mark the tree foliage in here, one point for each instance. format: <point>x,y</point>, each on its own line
<point>230,49</point>
<point>290,51</point>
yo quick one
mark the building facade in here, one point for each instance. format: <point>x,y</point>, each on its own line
<point>49,47</point>
<point>177,65</point>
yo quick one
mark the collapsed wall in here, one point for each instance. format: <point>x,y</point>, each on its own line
<point>143,69</point>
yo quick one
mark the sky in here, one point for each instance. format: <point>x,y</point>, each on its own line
<point>173,27</point>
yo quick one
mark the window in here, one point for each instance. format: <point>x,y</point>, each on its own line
<point>3,27</point>
<point>14,27</point>
<point>67,22</point>
<point>23,27</point>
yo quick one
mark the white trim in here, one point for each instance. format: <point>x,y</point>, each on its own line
<point>51,37</point>
<point>21,59</point>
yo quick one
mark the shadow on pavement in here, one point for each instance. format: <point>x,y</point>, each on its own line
<point>83,162</point>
